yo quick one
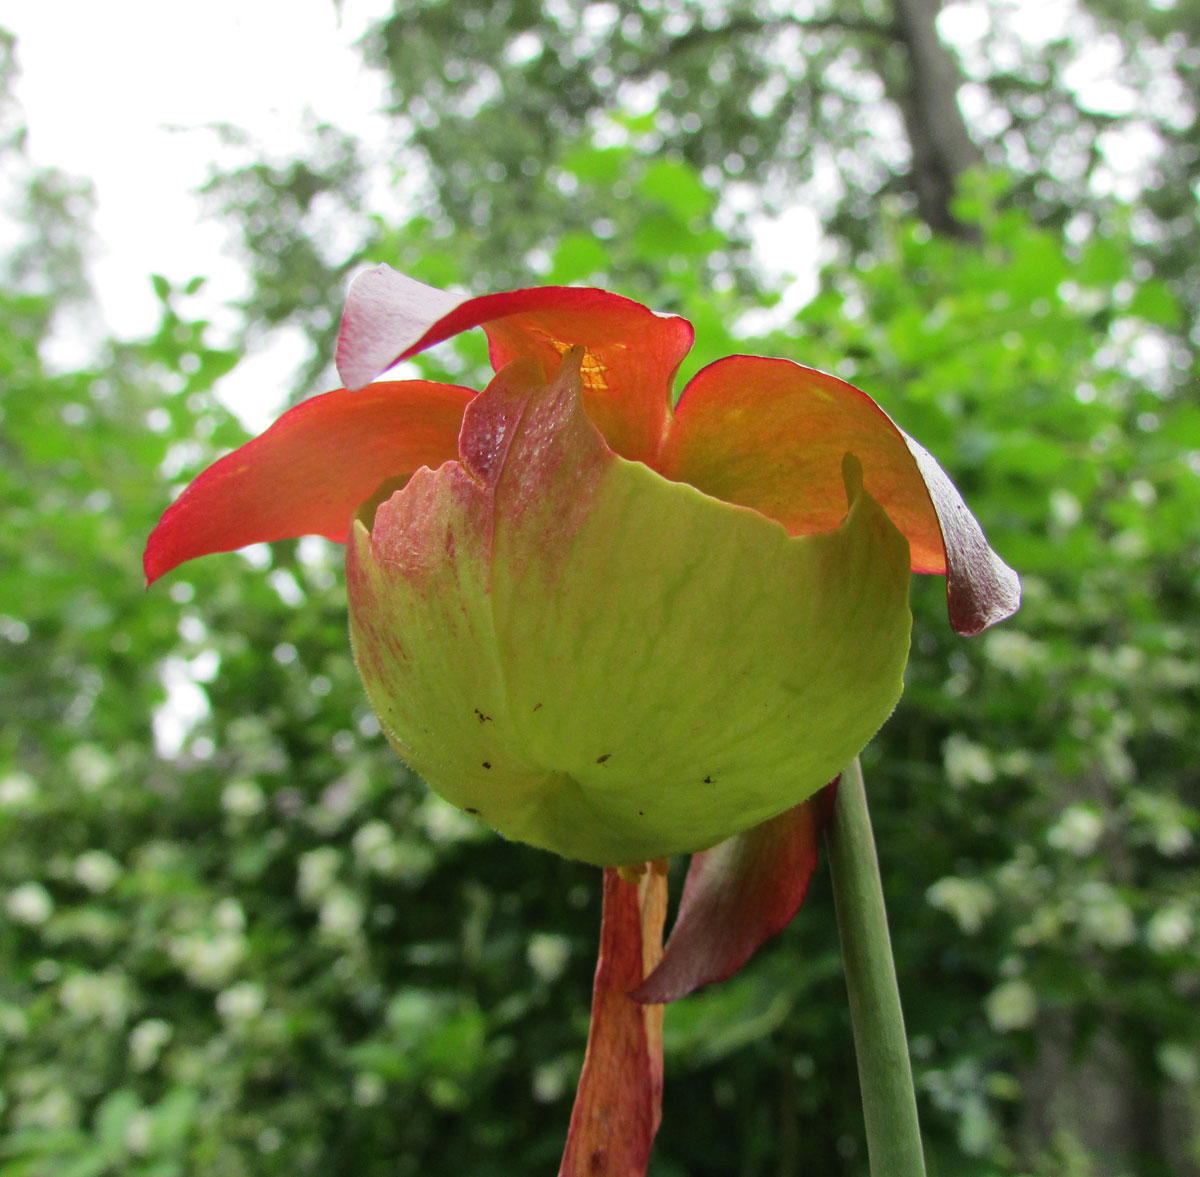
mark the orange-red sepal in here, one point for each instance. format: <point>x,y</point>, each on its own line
<point>311,470</point>
<point>737,896</point>
<point>619,1102</point>
<point>771,435</point>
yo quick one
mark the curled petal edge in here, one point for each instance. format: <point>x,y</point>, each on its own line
<point>981,589</point>
<point>769,434</point>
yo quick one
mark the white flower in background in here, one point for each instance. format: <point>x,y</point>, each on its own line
<point>369,1089</point>
<point>1179,1063</point>
<point>1123,662</point>
<point>1044,926</point>
<point>102,997</point>
<point>158,856</point>
<point>1112,755</point>
<point>1173,840</point>
<point>208,960</point>
<point>17,790</point>
<point>550,1081</point>
<point>443,823</point>
<point>547,955</point>
<point>139,1133</point>
<point>316,873</point>
<point>1015,652</point>
<point>375,846</point>
<point>967,763</point>
<point>377,849</point>
<point>1011,1006</point>
<point>14,1022</point>
<point>412,861</point>
<point>341,914</point>
<point>229,916</point>
<point>1065,508</point>
<point>968,901</point>
<point>146,1042</point>
<point>1017,763</point>
<point>55,1109</point>
<point>269,1140</point>
<point>1024,873</point>
<point>342,797</point>
<point>1169,928</point>
<point>96,870</point>
<point>241,1003</point>
<point>243,799</point>
<point>1105,918</point>
<point>91,766</point>
<point>29,904</point>
<point>1165,819</point>
<point>46,971</point>
<point>1077,830</point>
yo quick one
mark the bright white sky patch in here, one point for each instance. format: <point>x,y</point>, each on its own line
<point>102,84</point>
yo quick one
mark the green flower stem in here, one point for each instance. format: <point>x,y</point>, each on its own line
<point>884,1071</point>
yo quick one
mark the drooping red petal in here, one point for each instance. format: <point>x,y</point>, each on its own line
<point>631,353</point>
<point>980,588</point>
<point>619,1102</point>
<point>310,471</point>
<point>771,435</point>
<point>737,896</point>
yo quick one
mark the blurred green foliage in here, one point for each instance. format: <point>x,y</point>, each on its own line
<point>507,122</point>
<point>241,939</point>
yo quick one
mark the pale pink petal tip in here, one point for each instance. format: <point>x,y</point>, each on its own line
<point>386,314</point>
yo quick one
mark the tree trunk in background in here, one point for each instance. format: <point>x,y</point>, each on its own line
<point>1090,1097</point>
<point>942,148</point>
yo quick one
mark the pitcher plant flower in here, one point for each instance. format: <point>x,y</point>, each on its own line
<point>610,625</point>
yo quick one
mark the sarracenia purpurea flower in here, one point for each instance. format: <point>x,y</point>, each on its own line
<point>609,625</point>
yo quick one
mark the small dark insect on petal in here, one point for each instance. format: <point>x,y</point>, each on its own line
<point>487,764</point>
<point>473,812</point>
<point>481,717</point>
<point>602,759</point>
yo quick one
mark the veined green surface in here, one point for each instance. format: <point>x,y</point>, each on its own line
<point>610,665</point>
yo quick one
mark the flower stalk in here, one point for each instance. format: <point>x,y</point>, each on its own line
<point>880,1044</point>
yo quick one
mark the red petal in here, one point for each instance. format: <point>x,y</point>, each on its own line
<point>631,353</point>
<point>737,896</point>
<point>311,470</point>
<point>771,434</point>
<point>619,1102</point>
